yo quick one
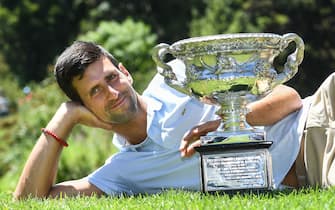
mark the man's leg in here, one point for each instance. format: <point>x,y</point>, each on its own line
<point>319,156</point>
<point>319,137</point>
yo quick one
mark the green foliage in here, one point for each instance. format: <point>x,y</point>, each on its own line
<point>130,42</point>
<point>88,150</point>
<point>23,127</point>
<point>169,20</point>
<point>237,16</point>
<point>8,84</point>
<point>32,33</point>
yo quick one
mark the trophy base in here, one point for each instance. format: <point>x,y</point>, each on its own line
<point>225,137</point>
<point>235,167</point>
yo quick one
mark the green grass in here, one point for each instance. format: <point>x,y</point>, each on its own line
<point>305,199</point>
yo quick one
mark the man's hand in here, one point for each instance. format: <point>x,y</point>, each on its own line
<point>81,115</point>
<point>192,138</point>
<point>88,118</point>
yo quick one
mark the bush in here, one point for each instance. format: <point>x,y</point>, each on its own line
<point>88,149</point>
<point>9,84</point>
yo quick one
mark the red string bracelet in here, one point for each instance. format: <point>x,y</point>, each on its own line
<point>61,141</point>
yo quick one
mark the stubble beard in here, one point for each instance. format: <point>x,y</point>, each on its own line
<point>126,114</point>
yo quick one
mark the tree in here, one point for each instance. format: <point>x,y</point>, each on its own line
<point>168,19</point>
<point>33,31</point>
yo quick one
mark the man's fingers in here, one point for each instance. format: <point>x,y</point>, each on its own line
<point>189,137</point>
<point>106,126</point>
<point>187,146</point>
<point>201,130</point>
<point>190,149</point>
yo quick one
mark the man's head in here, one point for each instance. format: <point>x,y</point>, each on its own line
<point>90,75</point>
<point>74,61</point>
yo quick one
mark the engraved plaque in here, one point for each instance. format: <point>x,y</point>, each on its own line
<point>248,169</point>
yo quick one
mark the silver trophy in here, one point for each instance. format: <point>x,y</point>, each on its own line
<point>232,70</point>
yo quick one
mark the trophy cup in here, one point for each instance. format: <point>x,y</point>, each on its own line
<point>232,70</point>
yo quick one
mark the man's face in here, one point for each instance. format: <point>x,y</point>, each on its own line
<point>107,91</point>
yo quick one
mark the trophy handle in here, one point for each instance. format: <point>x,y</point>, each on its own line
<point>158,55</point>
<point>293,60</point>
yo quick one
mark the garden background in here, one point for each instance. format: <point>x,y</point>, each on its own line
<point>34,32</point>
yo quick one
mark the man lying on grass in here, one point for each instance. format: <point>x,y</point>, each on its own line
<point>149,129</point>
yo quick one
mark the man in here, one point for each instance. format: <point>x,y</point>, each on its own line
<point>148,129</point>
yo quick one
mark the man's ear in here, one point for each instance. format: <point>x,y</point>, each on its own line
<point>123,69</point>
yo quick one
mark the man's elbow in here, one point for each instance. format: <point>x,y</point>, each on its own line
<point>296,101</point>
<point>19,195</point>
<point>289,99</point>
<point>293,103</point>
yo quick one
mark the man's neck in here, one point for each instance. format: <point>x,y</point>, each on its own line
<point>135,131</point>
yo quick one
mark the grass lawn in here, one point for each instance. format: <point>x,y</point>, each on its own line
<point>304,199</point>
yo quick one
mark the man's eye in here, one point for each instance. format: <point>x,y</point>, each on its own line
<point>111,77</point>
<point>95,91</point>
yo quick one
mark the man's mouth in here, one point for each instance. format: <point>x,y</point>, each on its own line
<point>117,103</point>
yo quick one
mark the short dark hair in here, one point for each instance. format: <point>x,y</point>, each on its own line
<point>74,61</point>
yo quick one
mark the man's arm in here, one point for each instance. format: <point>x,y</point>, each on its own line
<point>40,170</point>
<point>282,101</point>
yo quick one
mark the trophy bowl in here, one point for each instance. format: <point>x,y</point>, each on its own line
<point>230,71</point>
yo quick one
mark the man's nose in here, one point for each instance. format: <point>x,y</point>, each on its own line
<point>112,92</point>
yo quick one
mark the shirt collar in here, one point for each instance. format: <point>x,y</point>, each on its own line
<point>152,106</point>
